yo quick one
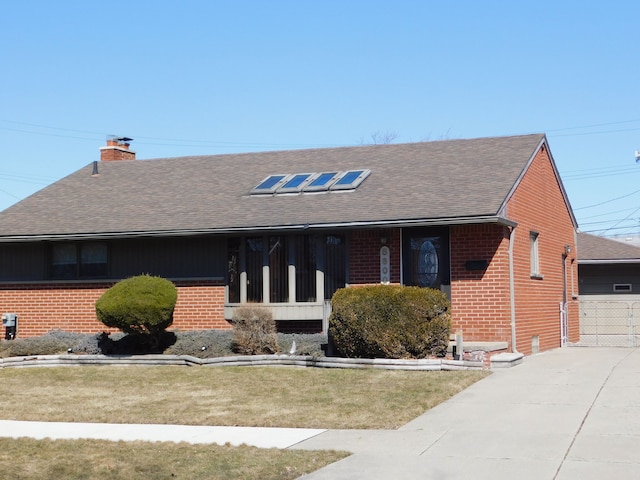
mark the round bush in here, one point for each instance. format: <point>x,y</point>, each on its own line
<point>138,305</point>
<point>390,321</point>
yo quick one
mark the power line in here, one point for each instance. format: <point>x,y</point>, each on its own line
<point>607,201</point>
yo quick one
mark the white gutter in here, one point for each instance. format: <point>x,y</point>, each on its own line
<point>512,293</point>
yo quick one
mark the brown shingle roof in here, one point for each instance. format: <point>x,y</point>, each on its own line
<point>434,181</point>
<point>594,248</point>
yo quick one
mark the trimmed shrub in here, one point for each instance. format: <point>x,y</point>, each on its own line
<point>141,305</point>
<point>390,321</point>
<point>254,331</point>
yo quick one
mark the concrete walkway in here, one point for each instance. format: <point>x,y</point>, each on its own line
<point>568,414</point>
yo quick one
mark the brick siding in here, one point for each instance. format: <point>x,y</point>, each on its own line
<point>71,306</point>
<point>364,255</point>
<point>537,205</point>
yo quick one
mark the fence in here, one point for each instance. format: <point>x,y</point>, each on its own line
<point>609,323</point>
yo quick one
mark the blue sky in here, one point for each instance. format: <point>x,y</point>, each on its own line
<point>205,77</point>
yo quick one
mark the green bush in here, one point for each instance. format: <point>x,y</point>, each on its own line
<point>254,331</point>
<point>141,305</point>
<point>389,321</point>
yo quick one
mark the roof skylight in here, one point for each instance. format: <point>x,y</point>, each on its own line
<point>270,184</point>
<point>321,181</point>
<point>295,182</point>
<point>311,182</point>
<point>350,180</point>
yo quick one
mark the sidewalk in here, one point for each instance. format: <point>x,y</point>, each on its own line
<point>568,414</point>
<point>261,437</point>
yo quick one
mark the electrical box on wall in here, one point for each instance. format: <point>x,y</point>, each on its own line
<point>9,319</point>
<point>10,323</point>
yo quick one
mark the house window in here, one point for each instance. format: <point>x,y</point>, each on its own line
<point>254,253</point>
<point>335,261</point>
<point>284,268</point>
<point>305,262</point>
<point>233,268</point>
<point>535,258</point>
<point>78,260</point>
<point>622,288</point>
<point>278,270</point>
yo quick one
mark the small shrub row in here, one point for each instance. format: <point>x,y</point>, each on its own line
<point>390,321</point>
<point>201,344</point>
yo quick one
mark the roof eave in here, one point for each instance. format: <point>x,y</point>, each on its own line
<point>608,261</point>
<point>424,222</point>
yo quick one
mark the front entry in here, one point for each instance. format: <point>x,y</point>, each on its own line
<point>426,258</point>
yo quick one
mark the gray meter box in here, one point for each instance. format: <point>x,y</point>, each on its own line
<point>9,319</point>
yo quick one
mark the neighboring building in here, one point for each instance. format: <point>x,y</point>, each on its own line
<point>486,220</point>
<point>609,290</point>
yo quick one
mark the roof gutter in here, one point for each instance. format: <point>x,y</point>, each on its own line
<point>608,262</point>
<point>280,228</point>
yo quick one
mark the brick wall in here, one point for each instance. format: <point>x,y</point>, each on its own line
<point>480,298</point>
<point>364,255</point>
<point>71,306</point>
<point>537,205</point>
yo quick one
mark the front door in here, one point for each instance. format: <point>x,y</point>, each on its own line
<point>426,258</point>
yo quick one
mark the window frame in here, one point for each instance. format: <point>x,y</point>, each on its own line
<point>78,268</point>
<point>534,255</point>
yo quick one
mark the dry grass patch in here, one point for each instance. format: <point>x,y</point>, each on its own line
<point>246,396</point>
<point>28,459</point>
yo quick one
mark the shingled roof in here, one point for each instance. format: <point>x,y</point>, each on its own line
<point>594,249</point>
<point>442,182</point>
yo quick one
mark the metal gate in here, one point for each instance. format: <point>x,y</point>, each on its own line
<point>609,323</point>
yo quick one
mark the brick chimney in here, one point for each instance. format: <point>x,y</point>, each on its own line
<point>117,149</point>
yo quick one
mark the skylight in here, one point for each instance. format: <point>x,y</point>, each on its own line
<point>295,182</point>
<point>350,180</point>
<point>311,182</point>
<point>321,181</point>
<point>270,184</point>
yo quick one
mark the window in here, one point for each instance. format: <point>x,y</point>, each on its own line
<point>254,259</point>
<point>335,261</point>
<point>284,268</point>
<point>270,184</point>
<point>622,287</point>
<point>278,270</point>
<point>350,180</point>
<point>535,259</point>
<point>304,250</point>
<point>233,268</point>
<point>320,182</point>
<point>78,260</point>
<point>295,183</point>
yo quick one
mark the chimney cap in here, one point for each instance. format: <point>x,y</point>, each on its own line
<point>119,139</point>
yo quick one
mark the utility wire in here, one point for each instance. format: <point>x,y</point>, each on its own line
<point>608,201</point>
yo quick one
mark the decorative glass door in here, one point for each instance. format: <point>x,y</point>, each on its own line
<point>426,258</point>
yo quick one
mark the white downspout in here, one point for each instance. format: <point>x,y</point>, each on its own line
<point>512,293</point>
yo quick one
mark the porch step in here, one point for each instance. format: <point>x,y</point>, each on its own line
<point>506,360</point>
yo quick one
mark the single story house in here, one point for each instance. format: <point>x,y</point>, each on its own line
<point>609,288</point>
<point>486,220</point>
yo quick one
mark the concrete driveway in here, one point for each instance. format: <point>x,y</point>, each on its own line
<point>567,414</point>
